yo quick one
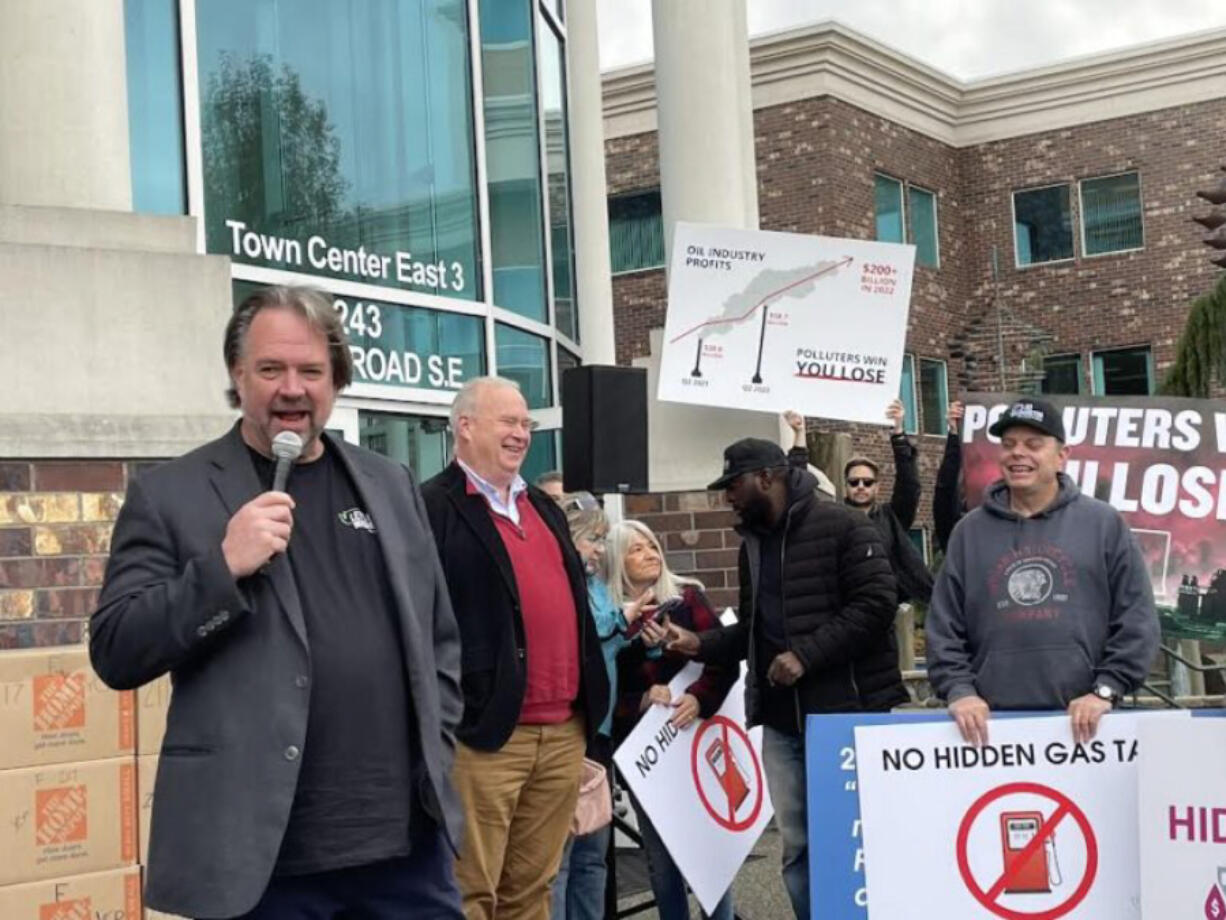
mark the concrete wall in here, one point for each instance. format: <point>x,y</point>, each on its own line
<point>112,348</point>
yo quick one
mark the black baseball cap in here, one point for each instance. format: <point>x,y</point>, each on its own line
<point>1038,414</point>
<point>747,456</point>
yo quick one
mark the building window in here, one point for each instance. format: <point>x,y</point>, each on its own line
<point>524,358</point>
<point>636,232</point>
<point>1124,372</point>
<point>1111,214</point>
<point>1042,225</point>
<point>934,395</point>
<point>918,216</point>
<point>1062,374</point>
<point>513,157</point>
<point>394,345</point>
<point>557,164</point>
<point>919,539</point>
<point>155,112</point>
<point>907,395</point>
<point>542,456</point>
<point>337,140</point>
<point>421,442</point>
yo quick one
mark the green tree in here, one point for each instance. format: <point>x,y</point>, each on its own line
<point>271,155</point>
<point>1200,356</point>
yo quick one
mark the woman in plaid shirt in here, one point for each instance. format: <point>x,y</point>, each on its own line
<point>635,564</point>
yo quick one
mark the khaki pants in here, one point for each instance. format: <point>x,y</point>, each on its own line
<point>518,805</point>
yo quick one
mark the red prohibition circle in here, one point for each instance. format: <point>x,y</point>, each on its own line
<point>1063,804</point>
<point>723,820</point>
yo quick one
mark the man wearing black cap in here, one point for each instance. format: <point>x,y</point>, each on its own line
<point>1044,601</point>
<point>816,612</point>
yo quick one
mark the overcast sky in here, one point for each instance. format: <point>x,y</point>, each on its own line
<point>963,38</point>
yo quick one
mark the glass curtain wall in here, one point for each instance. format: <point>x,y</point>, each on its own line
<point>337,139</point>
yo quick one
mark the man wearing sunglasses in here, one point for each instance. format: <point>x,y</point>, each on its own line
<point>861,482</point>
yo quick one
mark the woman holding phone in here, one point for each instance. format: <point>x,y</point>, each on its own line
<point>635,564</point>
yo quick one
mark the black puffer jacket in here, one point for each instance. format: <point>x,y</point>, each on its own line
<point>838,605</point>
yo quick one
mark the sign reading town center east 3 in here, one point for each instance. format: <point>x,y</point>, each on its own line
<point>773,321</point>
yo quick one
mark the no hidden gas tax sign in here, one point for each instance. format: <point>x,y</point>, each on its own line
<point>1030,826</point>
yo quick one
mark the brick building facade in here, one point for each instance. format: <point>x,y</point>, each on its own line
<point>820,156</point>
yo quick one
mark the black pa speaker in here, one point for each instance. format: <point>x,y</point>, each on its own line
<point>604,429</point>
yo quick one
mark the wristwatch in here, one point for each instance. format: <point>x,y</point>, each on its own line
<point>1103,692</point>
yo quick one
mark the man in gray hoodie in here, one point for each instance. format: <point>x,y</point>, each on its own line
<point>1044,601</point>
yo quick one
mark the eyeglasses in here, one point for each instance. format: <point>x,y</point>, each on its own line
<point>866,483</point>
<point>596,541</point>
<point>527,425</point>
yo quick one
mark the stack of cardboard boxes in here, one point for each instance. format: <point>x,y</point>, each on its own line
<point>71,793</point>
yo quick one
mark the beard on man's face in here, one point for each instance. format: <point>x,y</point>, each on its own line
<point>755,511</point>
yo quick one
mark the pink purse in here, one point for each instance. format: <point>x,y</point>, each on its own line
<point>594,809</point>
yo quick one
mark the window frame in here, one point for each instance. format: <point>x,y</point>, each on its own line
<point>636,193</point>
<point>1098,381</point>
<point>918,380</point>
<point>904,205</point>
<point>1081,382</point>
<point>910,423</point>
<point>1013,224</point>
<point>1081,214</point>
<point>936,224</point>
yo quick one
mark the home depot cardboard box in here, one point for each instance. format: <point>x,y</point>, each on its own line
<point>67,819</point>
<point>152,704</point>
<point>113,895</point>
<point>55,709</point>
<point>146,773</point>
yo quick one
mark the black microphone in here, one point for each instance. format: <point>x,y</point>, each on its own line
<point>286,447</point>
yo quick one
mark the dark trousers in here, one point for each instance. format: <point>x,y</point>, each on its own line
<point>420,885</point>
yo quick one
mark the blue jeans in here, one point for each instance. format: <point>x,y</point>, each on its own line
<point>667,883</point>
<point>784,757</point>
<point>578,891</point>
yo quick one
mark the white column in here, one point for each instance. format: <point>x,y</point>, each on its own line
<point>704,113</point>
<point>593,282</point>
<point>64,105</point>
<point>707,175</point>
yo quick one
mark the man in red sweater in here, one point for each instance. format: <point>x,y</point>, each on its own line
<point>532,673</point>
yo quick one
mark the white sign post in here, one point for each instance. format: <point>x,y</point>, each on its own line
<point>773,321</point>
<point>704,788</point>
<point>1182,813</point>
<point>1031,825</point>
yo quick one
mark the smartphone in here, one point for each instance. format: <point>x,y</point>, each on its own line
<point>667,609</point>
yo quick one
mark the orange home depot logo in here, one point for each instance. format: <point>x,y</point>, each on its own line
<point>78,909</point>
<point>60,815</point>
<point>59,701</point>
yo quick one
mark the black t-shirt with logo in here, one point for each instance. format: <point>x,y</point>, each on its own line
<point>356,787</point>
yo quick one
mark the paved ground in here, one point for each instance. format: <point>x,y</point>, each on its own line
<point>757,892</point>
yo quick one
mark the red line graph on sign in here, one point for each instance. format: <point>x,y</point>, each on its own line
<point>733,320</point>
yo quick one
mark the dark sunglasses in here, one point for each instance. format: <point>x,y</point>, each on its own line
<point>861,482</point>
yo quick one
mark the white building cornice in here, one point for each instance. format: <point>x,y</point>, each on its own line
<point>831,59</point>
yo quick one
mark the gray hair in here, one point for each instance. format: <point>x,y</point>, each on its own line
<point>584,515</point>
<point>465,402</point>
<point>667,586</point>
<point>312,305</point>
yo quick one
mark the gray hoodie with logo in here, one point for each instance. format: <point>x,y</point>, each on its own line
<point>1030,613</point>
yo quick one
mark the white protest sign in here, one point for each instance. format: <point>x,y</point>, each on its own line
<point>1029,827</point>
<point>1182,815</point>
<point>704,788</point>
<point>774,321</point>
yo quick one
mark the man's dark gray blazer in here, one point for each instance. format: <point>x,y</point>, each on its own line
<point>241,665</point>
